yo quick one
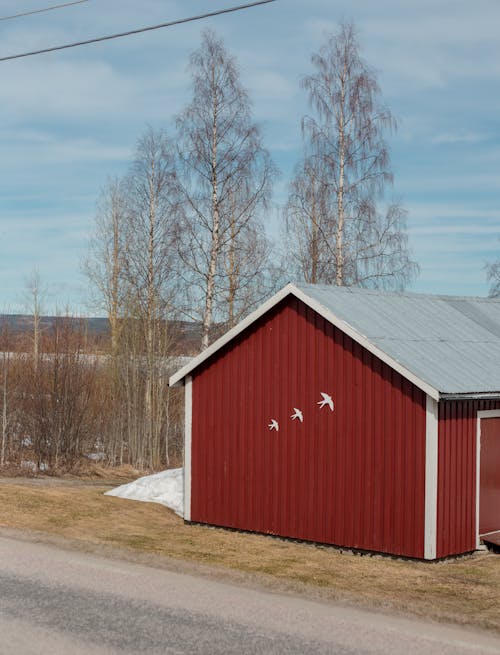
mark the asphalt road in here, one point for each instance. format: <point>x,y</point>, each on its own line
<point>66,602</point>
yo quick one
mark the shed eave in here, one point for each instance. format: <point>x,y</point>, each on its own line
<point>327,314</point>
<point>471,395</point>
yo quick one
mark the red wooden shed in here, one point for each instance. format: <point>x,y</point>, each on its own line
<point>358,418</point>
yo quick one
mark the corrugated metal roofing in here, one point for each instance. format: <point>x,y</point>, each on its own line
<point>450,342</point>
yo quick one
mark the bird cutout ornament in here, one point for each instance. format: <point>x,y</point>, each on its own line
<point>327,400</point>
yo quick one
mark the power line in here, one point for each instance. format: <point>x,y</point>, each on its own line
<point>218,12</point>
<point>40,11</point>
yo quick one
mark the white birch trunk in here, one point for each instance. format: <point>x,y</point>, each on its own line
<point>215,236</point>
<point>339,239</point>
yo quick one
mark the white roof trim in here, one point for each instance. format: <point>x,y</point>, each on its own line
<point>322,311</point>
<point>233,332</point>
<point>363,341</point>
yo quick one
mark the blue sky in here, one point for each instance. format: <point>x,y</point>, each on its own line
<point>68,120</point>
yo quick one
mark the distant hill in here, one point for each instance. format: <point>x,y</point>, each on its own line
<point>22,323</point>
<point>97,328</point>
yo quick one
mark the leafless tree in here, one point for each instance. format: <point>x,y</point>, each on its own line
<point>309,224</point>
<point>104,264</point>
<point>248,273</point>
<point>132,265</point>
<point>152,228</point>
<point>225,181</point>
<point>53,409</point>
<point>493,276</point>
<point>151,266</point>
<point>5,365</point>
<point>341,235</point>
<point>11,391</point>
<point>35,295</point>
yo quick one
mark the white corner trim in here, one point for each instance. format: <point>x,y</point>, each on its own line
<point>489,413</point>
<point>431,478</point>
<point>188,434</point>
<point>322,311</point>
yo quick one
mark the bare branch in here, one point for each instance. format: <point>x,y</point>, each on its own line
<point>336,234</point>
<point>225,181</point>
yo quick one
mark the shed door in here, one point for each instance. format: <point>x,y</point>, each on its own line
<point>489,494</point>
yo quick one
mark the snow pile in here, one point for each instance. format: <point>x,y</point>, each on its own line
<point>166,488</point>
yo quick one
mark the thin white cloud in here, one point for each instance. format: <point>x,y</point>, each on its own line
<point>473,231</point>
<point>446,210</point>
<point>48,149</point>
<point>460,137</point>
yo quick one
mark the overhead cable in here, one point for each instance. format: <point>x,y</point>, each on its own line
<point>217,12</point>
<point>40,11</point>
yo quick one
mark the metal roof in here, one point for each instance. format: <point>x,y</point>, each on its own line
<point>450,342</point>
<point>446,345</point>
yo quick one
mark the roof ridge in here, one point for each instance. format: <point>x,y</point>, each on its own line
<point>385,292</point>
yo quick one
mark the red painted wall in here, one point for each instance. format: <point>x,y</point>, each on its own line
<point>489,493</point>
<point>354,477</point>
<point>457,439</point>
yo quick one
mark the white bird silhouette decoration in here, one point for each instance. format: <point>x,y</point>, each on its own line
<point>327,400</point>
<point>274,425</point>
<point>297,414</point>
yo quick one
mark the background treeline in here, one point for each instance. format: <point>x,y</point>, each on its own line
<point>183,235</point>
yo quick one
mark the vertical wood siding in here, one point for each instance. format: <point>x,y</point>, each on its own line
<point>354,477</point>
<point>457,439</point>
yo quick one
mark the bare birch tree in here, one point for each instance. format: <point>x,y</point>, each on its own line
<point>225,182</point>
<point>132,264</point>
<point>309,224</point>
<point>248,274</point>
<point>34,302</point>
<point>104,264</point>
<point>333,211</point>
<point>151,265</point>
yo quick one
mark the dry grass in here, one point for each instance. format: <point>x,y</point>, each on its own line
<point>465,591</point>
<point>80,470</point>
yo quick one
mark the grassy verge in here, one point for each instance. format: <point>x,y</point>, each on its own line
<point>465,591</point>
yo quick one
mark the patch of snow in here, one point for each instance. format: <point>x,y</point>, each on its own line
<point>166,488</point>
<point>96,457</point>
<point>28,464</point>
